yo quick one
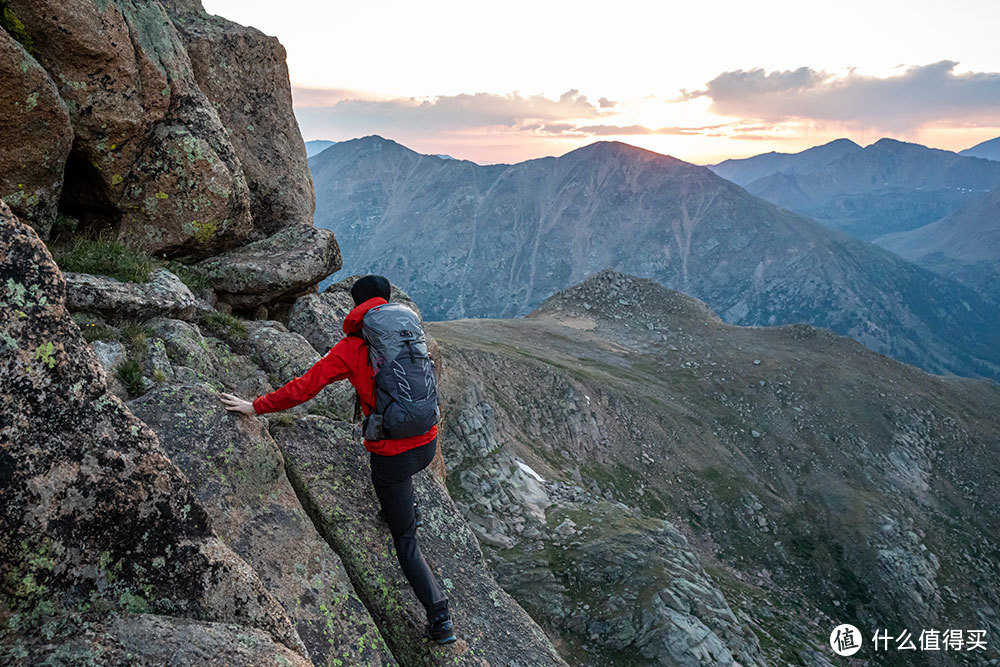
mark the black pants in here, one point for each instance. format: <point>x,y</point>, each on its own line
<point>391,476</point>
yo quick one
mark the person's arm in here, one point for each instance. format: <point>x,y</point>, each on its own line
<point>330,368</point>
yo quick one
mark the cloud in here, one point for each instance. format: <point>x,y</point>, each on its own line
<point>605,103</point>
<point>319,97</point>
<point>627,130</point>
<point>916,97</point>
<point>356,116</point>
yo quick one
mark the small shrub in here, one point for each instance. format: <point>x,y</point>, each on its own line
<point>130,374</point>
<point>225,326</point>
<point>104,256</point>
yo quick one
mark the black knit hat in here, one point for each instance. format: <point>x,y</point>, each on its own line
<point>369,287</point>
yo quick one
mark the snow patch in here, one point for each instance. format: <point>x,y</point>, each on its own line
<point>526,468</point>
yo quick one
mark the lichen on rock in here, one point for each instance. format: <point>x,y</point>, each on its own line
<point>262,127</point>
<point>282,266</point>
<point>35,136</point>
<point>329,469</point>
<point>238,474</point>
<point>94,517</point>
<point>163,295</point>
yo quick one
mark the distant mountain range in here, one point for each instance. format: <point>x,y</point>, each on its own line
<point>747,170</point>
<point>964,245</point>
<point>493,241</point>
<point>889,186</point>
<point>989,150</point>
<point>317,146</point>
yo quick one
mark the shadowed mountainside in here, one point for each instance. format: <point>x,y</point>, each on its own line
<point>493,241</point>
<point>989,150</point>
<point>964,245</point>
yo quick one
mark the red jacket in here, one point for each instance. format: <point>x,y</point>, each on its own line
<point>348,359</point>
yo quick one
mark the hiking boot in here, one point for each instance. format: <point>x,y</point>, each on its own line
<point>439,627</point>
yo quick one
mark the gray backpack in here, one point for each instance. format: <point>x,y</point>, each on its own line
<point>406,399</point>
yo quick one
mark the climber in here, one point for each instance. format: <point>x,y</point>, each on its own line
<point>400,425</point>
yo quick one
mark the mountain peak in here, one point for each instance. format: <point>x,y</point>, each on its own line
<point>613,295</point>
<point>358,147</point>
<point>616,148</point>
<point>317,146</point>
<point>744,171</point>
<point>889,143</point>
<point>842,142</point>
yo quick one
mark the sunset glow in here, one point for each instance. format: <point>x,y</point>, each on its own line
<point>701,82</point>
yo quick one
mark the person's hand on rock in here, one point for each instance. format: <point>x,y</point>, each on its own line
<point>237,404</point>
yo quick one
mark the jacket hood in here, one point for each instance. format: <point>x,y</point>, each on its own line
<point>352,323</point>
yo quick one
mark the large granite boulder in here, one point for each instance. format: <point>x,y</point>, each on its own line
<point>146,639</point>
<point>195,357</point>
<point>329,469</point>
<point>163,295</point>
<point>286,355</point>
<point>35,136</point>
<point>238,475</point>
<point>94,517</point>
<point>320,317</point>
<point>150,157</point>
<point>259,117</point>
<point>281,267</point>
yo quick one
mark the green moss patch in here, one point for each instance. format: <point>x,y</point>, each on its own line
<point>10,22</point>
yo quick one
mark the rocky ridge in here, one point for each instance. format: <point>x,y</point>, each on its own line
<point>153,149</point>
<point>759,485</point>
<point>270,528</point>
<point>98,523</point>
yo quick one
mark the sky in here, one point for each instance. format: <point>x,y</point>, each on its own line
<point>701,81</point>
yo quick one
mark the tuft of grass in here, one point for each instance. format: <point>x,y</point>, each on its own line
<point>195,280</point>
<point>280,420</point>
<point>102,255</point>
<point>225,326</point>
<point>94,329</point>
<point>129,372</point>
<point>135,335</point>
